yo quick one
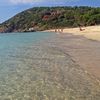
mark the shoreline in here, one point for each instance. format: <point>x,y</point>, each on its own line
<point>90,32</point>
<point>84,51</point>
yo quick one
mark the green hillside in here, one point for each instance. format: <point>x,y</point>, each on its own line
<point>42,18</point>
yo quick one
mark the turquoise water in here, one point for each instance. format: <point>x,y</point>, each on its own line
<point>20,39</point>
<point>18,55</point>
<point>9,43</point>
<point>18,44</point>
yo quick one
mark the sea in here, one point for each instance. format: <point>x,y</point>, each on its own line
<point>20,54</point>
<point>36,66</point>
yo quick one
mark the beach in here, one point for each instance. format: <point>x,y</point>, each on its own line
<point>90,32</point>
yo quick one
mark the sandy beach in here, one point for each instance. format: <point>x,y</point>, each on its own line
<point>90,32</point>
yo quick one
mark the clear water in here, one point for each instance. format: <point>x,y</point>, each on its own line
<point>10,43</point>
<point>34,66</point>
<point>17,58</point>
<point>17,44</point>
<point>21,39</point>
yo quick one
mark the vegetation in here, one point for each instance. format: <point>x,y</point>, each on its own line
<point>41,18</point>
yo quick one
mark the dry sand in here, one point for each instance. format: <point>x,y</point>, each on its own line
<point>91,32</point>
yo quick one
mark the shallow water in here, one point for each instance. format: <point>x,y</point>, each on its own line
<point>17,52</point>
<point>34,67</point>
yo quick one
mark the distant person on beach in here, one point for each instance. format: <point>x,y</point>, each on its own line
<point>59,30</point>
<point>80,27</point>
<point>55,30</point>
<point>62,30</point>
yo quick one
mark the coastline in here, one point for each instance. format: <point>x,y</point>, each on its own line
<point>90,32</point>
<point>62,63</point>
<point>82,47</point>
<point>85,56</point>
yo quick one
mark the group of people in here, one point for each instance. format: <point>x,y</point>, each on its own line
<point>59,30</point>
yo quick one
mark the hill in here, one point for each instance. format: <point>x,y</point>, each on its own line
<point>43,18</point>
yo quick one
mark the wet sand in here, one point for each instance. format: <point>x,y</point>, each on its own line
<point>83,46</point>
<point>86,52</point>
<point>85,55</point>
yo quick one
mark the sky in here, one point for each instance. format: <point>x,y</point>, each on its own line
<point>9,8</point>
